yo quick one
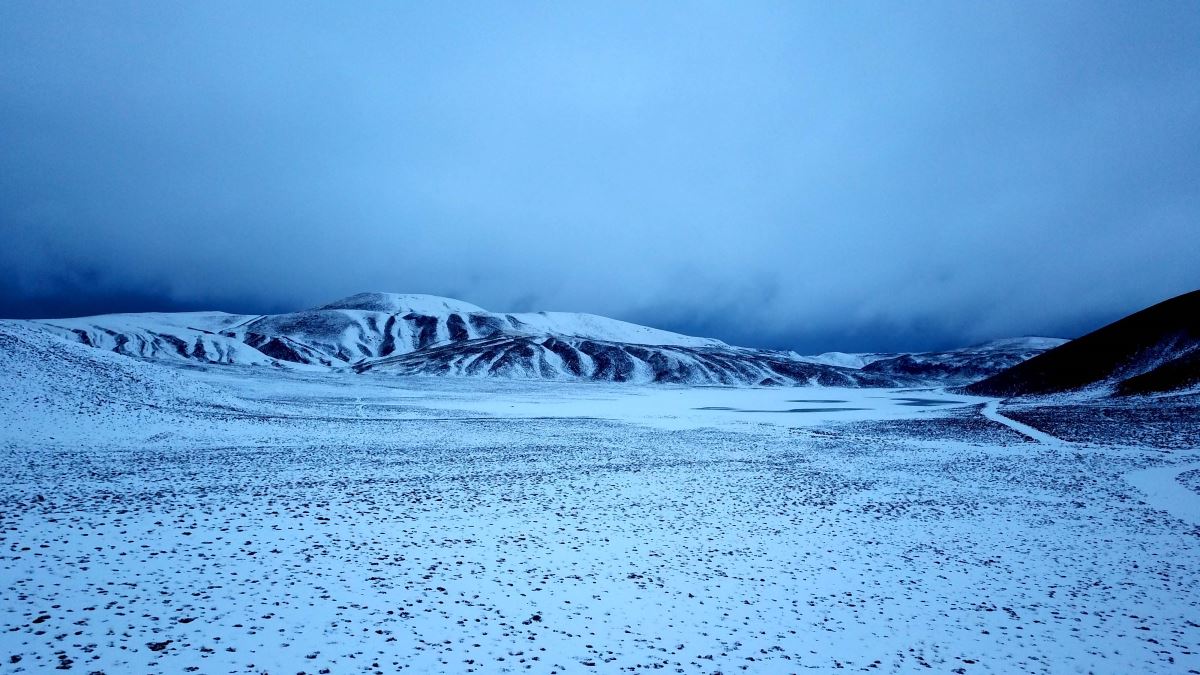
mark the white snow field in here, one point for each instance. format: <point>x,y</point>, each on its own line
<point>242,519</point>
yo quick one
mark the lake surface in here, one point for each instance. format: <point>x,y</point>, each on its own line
<point>900,400</point>
<point>788,410</point>
<point>927,402</point>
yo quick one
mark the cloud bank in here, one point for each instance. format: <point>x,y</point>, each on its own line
<point>780,175</point>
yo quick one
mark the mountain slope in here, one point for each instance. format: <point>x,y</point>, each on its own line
<point>189,336</point>
<point>1149,351</point>
<point>54,385</point>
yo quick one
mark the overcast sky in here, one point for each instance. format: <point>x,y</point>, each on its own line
<point>805,175</point>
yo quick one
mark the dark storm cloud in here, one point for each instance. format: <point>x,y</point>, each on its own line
<point>852,177</point>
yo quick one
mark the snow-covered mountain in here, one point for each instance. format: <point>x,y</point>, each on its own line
<point>430,335</point>
<point>422,334</point>
<point>961,366</point>
<point>848,359</point>
<point>954,366</point>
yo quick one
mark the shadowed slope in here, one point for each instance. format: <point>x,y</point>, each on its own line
<point>1150,351</point>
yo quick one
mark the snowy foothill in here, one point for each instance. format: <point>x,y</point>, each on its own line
<point>186,517</point>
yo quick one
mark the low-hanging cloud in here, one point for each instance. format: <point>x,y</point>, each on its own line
<point>858,177</point>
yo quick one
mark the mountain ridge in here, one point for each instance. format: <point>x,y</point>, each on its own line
<point>413,334</point>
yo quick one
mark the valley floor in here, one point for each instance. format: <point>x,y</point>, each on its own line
<point>290,523</point>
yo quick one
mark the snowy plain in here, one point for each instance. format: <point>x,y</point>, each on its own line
<point>239,519</point>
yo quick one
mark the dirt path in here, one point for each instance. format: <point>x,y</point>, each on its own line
<point>992,412</point>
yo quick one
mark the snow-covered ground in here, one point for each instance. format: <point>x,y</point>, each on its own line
<point>241,519</point>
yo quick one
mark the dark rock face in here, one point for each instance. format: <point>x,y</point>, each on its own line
<point>389,337</point>
<point>457,327</point>
<point>426,333</point>
<point>568,354</point>
<point>1153,350</point>
<point>486,324</point>
<point>278,349</point>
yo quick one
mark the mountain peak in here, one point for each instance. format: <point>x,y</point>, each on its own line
<point>401,303</point>
<point>1028,342</point>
